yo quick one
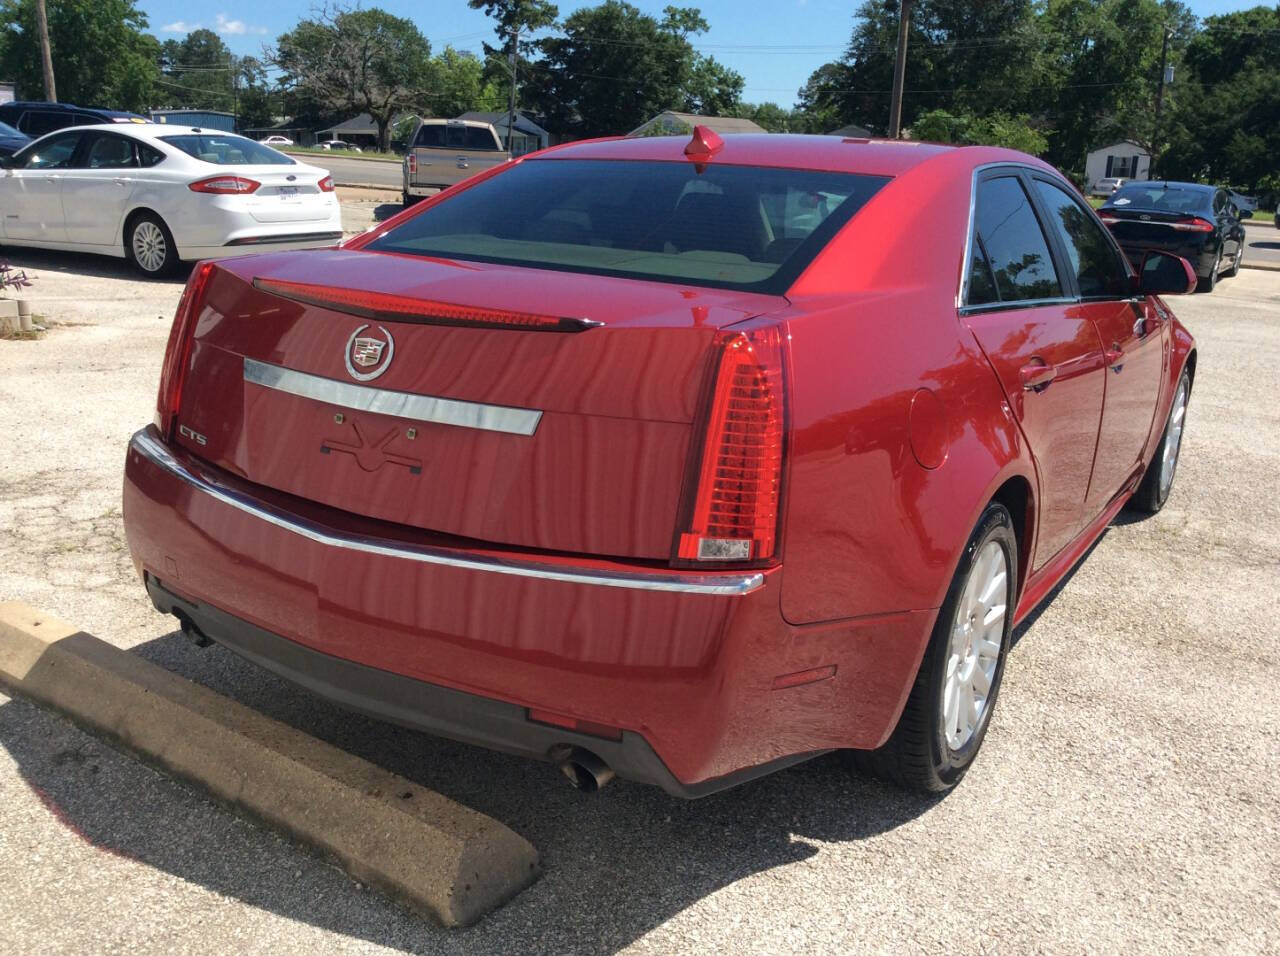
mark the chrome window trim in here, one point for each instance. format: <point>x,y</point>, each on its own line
<point>978,171</point>
<point>382,401</point>
<point>146,444</point>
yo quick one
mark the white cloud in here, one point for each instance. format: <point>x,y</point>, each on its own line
<point>222,24</point>
<point>235,27</point>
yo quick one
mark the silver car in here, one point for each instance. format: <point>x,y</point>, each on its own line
<point>1105,187</point>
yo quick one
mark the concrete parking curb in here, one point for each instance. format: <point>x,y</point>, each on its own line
<point>436,855</point>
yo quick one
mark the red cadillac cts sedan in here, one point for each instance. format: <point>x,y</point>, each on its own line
<point>680,460</point>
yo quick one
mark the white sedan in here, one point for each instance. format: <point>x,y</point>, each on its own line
<point>157,194</point>
<point>276,141</point>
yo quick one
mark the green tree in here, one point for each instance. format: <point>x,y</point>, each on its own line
<point>529,17</point>
<point>460,84</point>
<point>768,116</point>
<point>101,54</point>
<point>1223,110</point>
<point>358,59</point>
<point>616,67</point>
<point>995,129</point>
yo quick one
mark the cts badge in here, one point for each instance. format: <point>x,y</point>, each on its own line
<point>368,352</point>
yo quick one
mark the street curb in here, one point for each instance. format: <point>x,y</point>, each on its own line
<point>1264,266</point>
<point>437,856</point>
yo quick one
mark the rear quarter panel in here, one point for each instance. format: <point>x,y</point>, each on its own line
<point>900,433</point>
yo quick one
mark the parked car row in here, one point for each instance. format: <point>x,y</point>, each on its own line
<point>157,194</point>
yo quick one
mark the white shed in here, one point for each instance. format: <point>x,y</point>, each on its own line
<point>1125,159</point>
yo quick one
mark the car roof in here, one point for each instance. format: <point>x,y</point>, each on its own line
<point>827,153</point>
<point>65,108</point>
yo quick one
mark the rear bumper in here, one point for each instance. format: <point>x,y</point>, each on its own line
<point>442,711</point>
<point>463,642</point>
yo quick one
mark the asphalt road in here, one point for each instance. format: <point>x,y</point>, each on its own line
<point>1126,798</point>
<point>1262,243</point>
<point>361,172</point>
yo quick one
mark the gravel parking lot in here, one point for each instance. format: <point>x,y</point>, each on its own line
<point>1127,796</point>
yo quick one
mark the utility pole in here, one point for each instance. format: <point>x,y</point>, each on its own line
<point>511,106</point>
<point>899,69</point>
<point>46,55</point>
<point>1155,130</point>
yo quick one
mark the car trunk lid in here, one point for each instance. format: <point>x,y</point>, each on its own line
<point>312,374</point>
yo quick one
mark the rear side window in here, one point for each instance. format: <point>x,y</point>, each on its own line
<point>739,227</point>
<point>36,123</point>
<point>225,149</point>
<point>148,155</point>
<point>1099,270</point>
<point>1015,246</point>
<point>109,152</point>
<point>446,136</point>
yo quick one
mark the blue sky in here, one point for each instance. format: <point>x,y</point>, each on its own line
<point>775,44</point>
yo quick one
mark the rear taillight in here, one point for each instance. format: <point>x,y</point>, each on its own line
<point>326,184</point>
<point>177,355</point>
<point>732,501</point>
<point>225,185</point>
<point>411,164</point>
<point>1193,224</point>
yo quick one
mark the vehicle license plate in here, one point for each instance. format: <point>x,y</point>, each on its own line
<point>288,192</point>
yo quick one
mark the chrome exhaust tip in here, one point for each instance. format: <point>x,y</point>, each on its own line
<point>585,770</point>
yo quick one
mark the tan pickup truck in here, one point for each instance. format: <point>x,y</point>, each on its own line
<point>443,152</point>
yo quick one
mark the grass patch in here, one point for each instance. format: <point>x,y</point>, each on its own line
<point>369,154</point>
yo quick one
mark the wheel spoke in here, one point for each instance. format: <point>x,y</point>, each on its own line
<point>981,680</point>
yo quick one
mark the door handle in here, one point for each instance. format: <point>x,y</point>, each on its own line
<point>121,181</point>
<point>1036,375</point>
<point>1114,357</point>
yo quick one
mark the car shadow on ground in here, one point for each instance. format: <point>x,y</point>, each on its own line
<point>83,264</point>
<point>1264,245</point>
<point>617,864</point>
<point>386,210</point>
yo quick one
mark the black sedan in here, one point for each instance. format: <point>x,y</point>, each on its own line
<point>11,140</point>
<point>1199,223</point>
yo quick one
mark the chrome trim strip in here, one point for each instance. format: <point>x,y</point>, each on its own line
<point>422,408</point>
<point>724,585</point>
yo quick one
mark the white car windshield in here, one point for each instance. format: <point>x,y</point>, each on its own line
<point>226,149</point>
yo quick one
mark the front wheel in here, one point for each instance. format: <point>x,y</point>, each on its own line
<point>949,709</point>
<point>150,247</point>
<point>1235,263</point>
<point>1158,481</point>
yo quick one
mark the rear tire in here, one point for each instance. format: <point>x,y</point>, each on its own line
<point>949,709</point>
<point>1158,481</point>
<point>149,246</point>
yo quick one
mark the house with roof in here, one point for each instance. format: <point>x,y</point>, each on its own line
<point>1124,160</point>
<point>671,123</point>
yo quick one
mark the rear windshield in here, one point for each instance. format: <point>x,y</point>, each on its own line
<point>225,149</point>
<point>738,227</point>
<point>446,136</point>
<point>1159,196</point>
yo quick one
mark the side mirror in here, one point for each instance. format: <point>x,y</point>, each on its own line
<point>1163,273</point>
<point>1246,214</point>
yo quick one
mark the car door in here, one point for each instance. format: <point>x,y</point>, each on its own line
<point>1041,344</point>
<point>33,189</point>
<point>1133,334</point>
<point>97,187</point>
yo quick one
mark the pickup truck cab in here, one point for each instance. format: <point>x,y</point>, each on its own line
<point>443,152</point>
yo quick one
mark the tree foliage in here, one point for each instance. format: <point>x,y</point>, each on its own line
<point>101,54</point>
<point>616,67</point>
<point>358,59</point>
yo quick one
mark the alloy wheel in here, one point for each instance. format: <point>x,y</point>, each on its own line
<point>977,635</point>
<point>149,246</point>
<point>1173,438</point>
